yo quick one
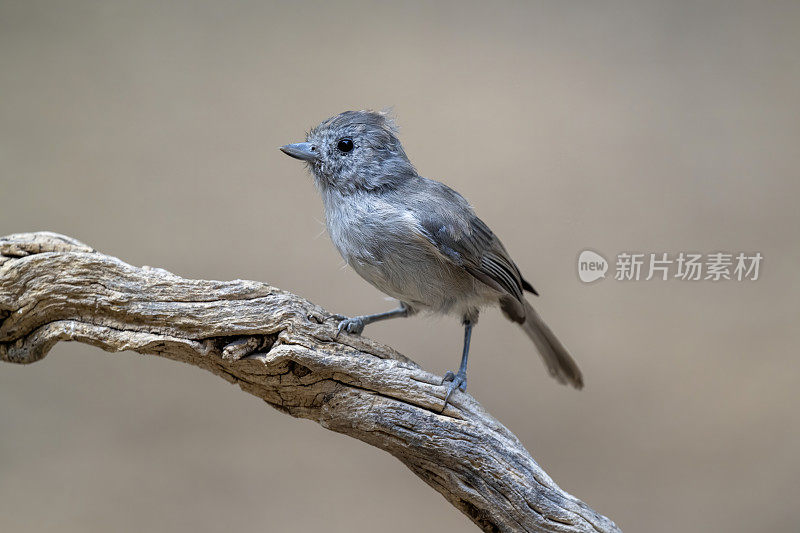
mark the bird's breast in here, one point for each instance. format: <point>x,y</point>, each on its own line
<point>386,246</point>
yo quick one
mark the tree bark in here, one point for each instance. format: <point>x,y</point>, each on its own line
<point>283,349</point>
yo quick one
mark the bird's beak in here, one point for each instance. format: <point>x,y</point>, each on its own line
<point>302,151</point>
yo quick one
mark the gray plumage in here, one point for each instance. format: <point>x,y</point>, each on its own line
<point>416,239</point>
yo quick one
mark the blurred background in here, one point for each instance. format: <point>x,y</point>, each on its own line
<point>149,130</point>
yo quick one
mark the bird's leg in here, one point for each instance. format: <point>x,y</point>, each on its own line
<point>459,379</point>
<point>355,325</point>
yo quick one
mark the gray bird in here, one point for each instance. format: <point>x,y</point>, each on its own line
<point>416,239</point>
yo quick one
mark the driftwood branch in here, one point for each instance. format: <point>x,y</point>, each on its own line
<point>283,349</point>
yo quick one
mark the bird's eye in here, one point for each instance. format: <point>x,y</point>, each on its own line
<point>345,145</point>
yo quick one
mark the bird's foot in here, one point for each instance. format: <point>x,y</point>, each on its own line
<point>457,381</point>
<point>353,325</point>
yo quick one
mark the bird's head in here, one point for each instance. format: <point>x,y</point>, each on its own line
<point>354,151</point>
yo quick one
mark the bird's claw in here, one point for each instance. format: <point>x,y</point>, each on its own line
<point>457,381</point>
<point>353,325</point>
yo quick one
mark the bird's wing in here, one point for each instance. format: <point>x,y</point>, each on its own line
<point>476,249</point>
<point>466,241</point>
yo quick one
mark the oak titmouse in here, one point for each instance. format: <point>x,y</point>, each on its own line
<point>416,239</point>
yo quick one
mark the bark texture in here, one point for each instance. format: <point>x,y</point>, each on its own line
<point>283,349</point>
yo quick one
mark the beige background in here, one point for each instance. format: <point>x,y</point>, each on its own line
<point>150,131</point>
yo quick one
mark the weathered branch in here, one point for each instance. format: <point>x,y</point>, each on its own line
<point>283,349</point>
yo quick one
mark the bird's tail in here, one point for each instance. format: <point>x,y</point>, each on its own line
<point>559,362</point>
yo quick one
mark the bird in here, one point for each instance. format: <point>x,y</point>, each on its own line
<point>416,239</point>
